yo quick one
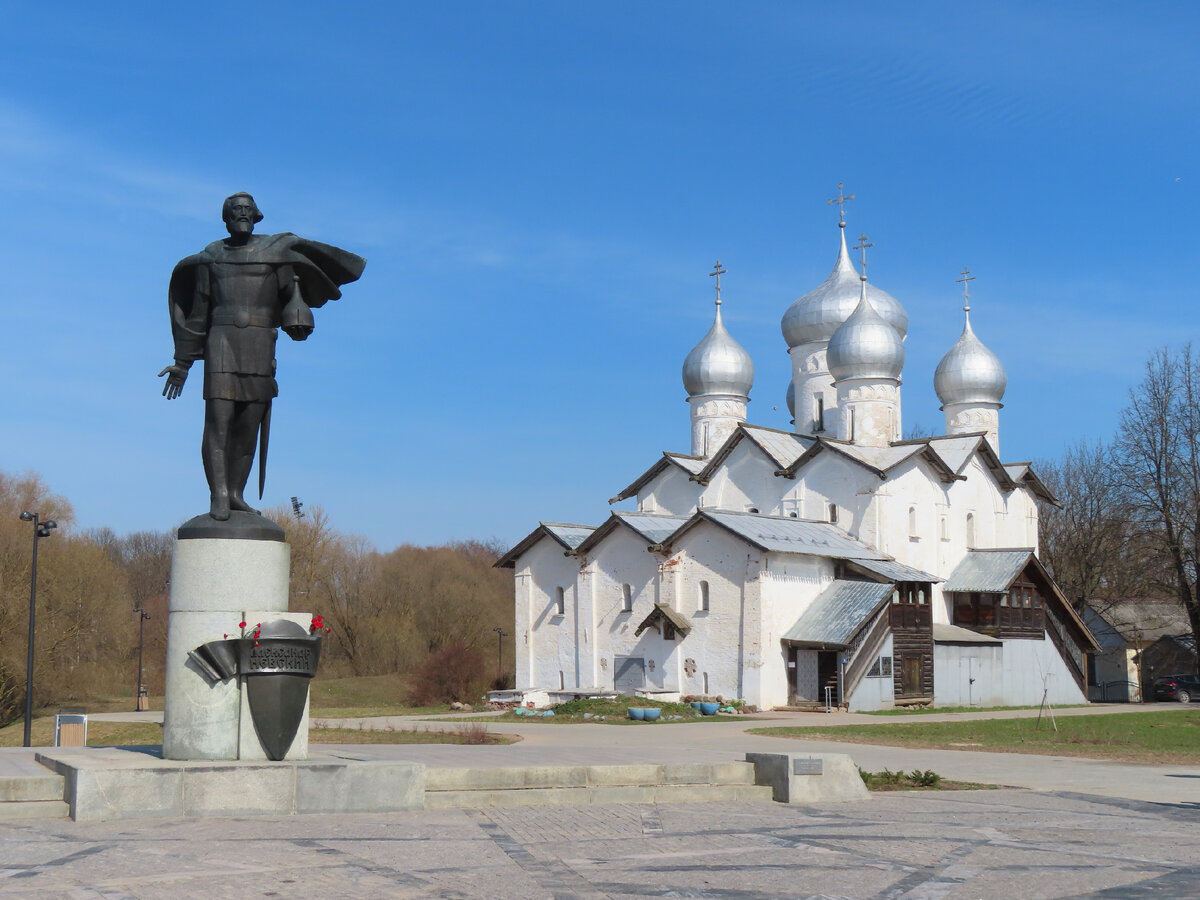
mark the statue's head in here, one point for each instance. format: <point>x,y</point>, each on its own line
<point>240,213</point>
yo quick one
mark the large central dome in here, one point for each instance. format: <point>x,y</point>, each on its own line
<point>819,313</point>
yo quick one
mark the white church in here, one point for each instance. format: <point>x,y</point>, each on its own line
<point>834,564</point>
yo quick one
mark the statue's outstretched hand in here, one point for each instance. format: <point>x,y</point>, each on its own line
<point>176,376</point>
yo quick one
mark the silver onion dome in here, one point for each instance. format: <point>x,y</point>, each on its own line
<point>817,315</point>
<point>865,346</point>
<point>718,364</point>
<point>970,372</point>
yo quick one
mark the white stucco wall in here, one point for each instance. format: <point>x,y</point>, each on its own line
<point>746,479</point>
<point>726,642</point>
<point>546,641</point>
<point>875,691</point>
<point>622,558</point>
<point>788,585</point>
<point>670,492</point>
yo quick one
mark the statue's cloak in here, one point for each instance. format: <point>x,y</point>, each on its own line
<point>321,269</point>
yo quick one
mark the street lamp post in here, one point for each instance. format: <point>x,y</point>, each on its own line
<point>501,634</point>
<point>137,700</point>
<point>40,530</point>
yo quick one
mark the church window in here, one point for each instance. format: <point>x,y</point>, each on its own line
<point>819,415</point>
<point>970,531</point>
<point>912,522</point>
<point>881,668</point>
<point>668,630</point>
<point>562,681</point>
<point>833,513</point>
<point>850,436</point>
<point>703,605</point>
<point>626,598</point>
<point>560,601</point>
<point>944,527</point>
<point>751,509</point>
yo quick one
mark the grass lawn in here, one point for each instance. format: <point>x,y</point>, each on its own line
<point>614,712</point>
<point>431,736</point>
<point>353,698</point>
<point>128,734</point>
<point>1158,737</point>
<point>927,710</point>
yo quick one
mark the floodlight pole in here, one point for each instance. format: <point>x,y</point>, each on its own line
<point>501,634</point>
<point>142,617</point>
<point>40,530</point>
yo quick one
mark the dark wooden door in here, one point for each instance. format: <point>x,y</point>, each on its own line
<point>910,675</point>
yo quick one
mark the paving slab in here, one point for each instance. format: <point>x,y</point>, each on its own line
<point>970,844</point>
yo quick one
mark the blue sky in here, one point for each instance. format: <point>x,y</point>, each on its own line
<point>540,190</point>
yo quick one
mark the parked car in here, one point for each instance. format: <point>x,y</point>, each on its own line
<point>1183,688</point>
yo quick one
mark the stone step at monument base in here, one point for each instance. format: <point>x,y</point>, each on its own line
<point>25,810</point>
<point>480,788</point>
<point>29,790</point>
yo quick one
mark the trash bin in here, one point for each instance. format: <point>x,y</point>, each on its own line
<point>143,700</point>
<point>70,727</point>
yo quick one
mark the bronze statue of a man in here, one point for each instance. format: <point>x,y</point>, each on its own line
<point>227,303</point>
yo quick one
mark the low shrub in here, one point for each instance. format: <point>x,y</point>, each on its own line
<point>453,673</point>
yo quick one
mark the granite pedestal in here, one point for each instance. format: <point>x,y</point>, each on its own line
<point>217,582</point>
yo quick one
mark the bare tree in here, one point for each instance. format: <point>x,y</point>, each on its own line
<point>1158,452</point>
<point>1089,542</point>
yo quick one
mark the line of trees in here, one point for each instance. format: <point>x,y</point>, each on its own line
<point>1129,525</point>
<point>390,613</point>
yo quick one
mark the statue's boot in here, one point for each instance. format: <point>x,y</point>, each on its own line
<point>219,507</point>
<point>236,501</point>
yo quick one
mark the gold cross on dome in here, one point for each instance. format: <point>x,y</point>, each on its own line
<point>862,245</point>
<point>966,277</point>
<point>841,202</point>
<point>717,272</point>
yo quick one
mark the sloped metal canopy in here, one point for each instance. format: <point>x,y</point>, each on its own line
<point>987,571</point>
<point>837,612</point>
<point>893,571</point>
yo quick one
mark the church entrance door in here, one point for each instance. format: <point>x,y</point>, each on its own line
<point>827,676</point>
<point>629,674</point>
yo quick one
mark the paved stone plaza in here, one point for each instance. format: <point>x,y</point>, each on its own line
<point>972,844</point>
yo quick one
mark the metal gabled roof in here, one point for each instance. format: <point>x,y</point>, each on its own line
<point>662,611</point>
<point>690,464</point>
<point>881,459</point>
<point>955,450</point>
<point>837,613</point>
<point>988,571</point>
<point>783,534</point>
<point>783,448</point>
<point>1022,473</point>
<point>894,571</point>
<point>569,536</point>
<point>652,527</point>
